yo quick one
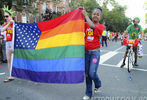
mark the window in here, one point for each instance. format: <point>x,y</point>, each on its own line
<point>28,19</point>
<point>35,5</point>
<point>56,9</point>
<point>64,1</point>
<point>44,6</point>
<point>24,19</point>
<point>51,7</point>
<point>69,1</point>
<point>34,19</point>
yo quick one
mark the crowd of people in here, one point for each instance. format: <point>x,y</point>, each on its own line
<point>108,36</point>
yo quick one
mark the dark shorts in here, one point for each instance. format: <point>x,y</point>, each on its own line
<point>134,48</point>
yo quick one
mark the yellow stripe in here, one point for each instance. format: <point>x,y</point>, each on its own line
<point>75,38</point>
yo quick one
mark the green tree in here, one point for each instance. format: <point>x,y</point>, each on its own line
<point>74,4</point>
<point>114,20</point>
<point>145,30</point>
<point>145,7</point>
<point>89,5</point>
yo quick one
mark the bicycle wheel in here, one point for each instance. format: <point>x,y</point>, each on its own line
<point>130,60</point>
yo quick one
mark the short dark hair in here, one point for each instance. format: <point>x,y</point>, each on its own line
<point>100,9</point>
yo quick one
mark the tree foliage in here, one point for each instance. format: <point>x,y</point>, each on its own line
<point>145,7</point>
<point>115,20</point>
<point>89,5</point>
<point>145,30</point>
<point>146,18</point>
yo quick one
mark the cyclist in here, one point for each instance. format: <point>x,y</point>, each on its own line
<point>133,31</point>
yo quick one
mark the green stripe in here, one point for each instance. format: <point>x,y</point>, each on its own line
<point>72,51</point>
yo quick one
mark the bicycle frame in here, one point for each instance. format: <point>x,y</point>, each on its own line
<point>130,59</point>
<point>131,44</point>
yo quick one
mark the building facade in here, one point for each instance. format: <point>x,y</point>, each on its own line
<point>61,6</point>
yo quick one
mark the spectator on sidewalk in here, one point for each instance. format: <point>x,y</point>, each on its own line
<point>1,37</point>
<point>3,42</point>
<point>104,38</point>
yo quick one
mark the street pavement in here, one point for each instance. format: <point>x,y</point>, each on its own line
<point>117,83</point>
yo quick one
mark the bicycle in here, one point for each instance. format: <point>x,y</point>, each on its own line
<point>131,44</point>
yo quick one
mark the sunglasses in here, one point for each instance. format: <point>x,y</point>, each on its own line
<point>136,21</point>
<point>6,16</point>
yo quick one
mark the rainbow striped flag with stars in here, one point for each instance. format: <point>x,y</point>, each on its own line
<point>50,51</point>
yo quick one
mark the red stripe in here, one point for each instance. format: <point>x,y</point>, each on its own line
<point>74,15</point>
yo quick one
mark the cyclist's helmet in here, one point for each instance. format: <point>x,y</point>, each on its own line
<point>136,18</point>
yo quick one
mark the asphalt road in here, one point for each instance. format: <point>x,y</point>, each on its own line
<point>116,84</point>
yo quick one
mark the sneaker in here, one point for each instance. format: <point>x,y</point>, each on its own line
<point>123,64</point>
<point>135,64</point>
<point>86,97</point>
<point>97,90</point>
<point>4,61</point>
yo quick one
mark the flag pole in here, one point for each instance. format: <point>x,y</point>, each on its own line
<point>12,49</point>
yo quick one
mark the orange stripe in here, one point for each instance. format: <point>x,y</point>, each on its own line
<point>69,27</point>
<point>71,16</point>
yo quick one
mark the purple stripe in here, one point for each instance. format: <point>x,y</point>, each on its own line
<point>49,77</point>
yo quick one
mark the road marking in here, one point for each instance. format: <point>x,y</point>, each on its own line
<point>119,49</point>
<point>2,73</point>
<point>120,63</point>
<point>108,55</point>
<point>105,50</point>
<point>144,54</point>
<point>145,70</point>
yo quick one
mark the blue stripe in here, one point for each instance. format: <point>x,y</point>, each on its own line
<point>66,64</point>
<point>50,77</point>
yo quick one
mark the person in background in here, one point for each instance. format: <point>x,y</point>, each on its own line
<point>108,35</point>
<point>133,31</point>
<point>115,36</point>
<point>104,38</point>
<point>8,27</point>
<point>1,37</point>
<point>3,42</point>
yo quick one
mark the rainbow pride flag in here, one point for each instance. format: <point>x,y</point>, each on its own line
<point>50,51</point>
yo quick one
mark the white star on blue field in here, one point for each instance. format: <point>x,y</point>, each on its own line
<point>26,36</point>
